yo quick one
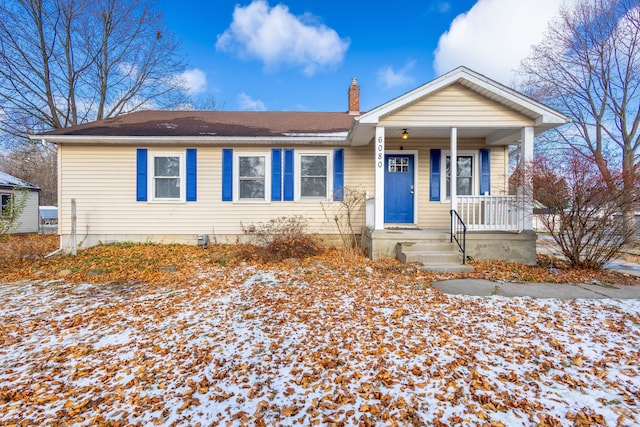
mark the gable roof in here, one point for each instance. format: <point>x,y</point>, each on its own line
<point>211,126</point>
<point>544,118</point>
<point>9,182</point>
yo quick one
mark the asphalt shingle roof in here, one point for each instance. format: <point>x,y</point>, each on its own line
<point>215,123</point>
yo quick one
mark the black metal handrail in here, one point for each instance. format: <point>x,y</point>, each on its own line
<point>459,233</point>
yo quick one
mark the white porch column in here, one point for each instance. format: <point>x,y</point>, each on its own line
<point>454,168</point>
<point>526,147</point>
<point>379,179</point>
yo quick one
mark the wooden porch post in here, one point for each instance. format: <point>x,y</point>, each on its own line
<point>526,146</point>
<point>379,179</point>
<point>454,168</point>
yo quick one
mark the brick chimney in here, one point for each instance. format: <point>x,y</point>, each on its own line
<point>354,97</point>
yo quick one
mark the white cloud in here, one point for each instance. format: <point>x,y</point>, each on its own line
<point>193,81</point>
<point>247,103</point>
<point>275,36</point>
<point>494,36</point>
<point>389,78</point>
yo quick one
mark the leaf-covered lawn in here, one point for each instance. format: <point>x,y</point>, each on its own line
<point>175,335</point>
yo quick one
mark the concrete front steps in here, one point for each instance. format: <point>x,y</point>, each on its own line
<point>436,256</point>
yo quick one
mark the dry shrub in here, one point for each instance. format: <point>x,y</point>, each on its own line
<point>279,239</point>
<point>29,246</point>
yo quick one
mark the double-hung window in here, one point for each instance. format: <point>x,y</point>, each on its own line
<point>466,174</point>
<point>167,171</point>
<point>313,176</point>
<point>252,181</point>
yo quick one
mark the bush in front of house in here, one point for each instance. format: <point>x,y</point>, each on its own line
<point>281,238</point>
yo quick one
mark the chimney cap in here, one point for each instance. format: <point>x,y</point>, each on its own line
<point>354,81</point>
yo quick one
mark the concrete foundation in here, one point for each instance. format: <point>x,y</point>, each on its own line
<point>87,240</point>
<point>481,245</point>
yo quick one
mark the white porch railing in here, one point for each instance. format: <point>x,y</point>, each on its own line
<point>503,213</point>
<point>370,213</point>
<point>500,213</point>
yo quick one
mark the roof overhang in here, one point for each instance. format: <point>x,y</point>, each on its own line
<point>328,140</point>
<point>543,117</point>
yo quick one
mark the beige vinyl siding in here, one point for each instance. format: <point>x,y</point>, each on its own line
<point>102,180</point>
<point>455,105</point>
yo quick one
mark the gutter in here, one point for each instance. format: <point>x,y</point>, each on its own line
<point>191,140</point>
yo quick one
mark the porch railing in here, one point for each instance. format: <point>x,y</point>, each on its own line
<point>459,233</point>
<point>499,213</point>
<point>491,212</point>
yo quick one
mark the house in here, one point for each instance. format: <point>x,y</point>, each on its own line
<point>169,176</point>
<point>19,198</point>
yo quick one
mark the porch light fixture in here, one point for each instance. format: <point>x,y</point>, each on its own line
<point>405,134</point>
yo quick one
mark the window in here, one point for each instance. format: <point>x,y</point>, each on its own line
<point>313,175</point>
<point>168,177</point>
<point>6,205</point>
<point>466,180</point>
<point>252,177</point>
<point>398,164</point>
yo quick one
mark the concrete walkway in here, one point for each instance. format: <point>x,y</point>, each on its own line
<point>480,287</point>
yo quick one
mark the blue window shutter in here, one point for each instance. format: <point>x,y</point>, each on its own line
<point>192,174</point>
<point>338,174</point>
<point>434,192</point>
<point>276,174</point>
<point>227,174</point>
<point>485,172</point>
<point>141,175</point>
<point>288,174</point>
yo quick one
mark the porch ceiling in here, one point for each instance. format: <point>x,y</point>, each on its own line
<point>493,135</point>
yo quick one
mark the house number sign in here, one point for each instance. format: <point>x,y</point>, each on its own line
<point>380,152</point>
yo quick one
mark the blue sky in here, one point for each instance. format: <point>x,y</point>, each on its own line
<point>300,55</point>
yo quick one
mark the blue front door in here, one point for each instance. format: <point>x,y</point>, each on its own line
<point>398,189</point>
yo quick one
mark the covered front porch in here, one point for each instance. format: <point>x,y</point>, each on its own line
<point>441,168</point>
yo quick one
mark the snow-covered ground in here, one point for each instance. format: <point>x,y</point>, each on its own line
<point>311,346</point>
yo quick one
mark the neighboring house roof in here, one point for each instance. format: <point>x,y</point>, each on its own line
<point>48,212</point>
<point>212,126</point>
<point>9,182</point>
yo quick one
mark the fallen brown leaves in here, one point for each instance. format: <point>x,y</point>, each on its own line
<point>548,270</point>
<point>180,335</point>
<point>21,258</point>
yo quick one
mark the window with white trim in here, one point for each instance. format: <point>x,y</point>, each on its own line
<point>466,171</point>
<point>313,175</point>
<point>167,176</point>
<point>6,210</point>
<point>252,176</point>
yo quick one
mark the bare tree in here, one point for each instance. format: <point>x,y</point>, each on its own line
<point>66,62</point>
<point>208,103</point>
<point>588,67</point>
<point>582,211</point>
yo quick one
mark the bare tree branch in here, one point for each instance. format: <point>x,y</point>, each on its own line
<point>66,62</point>
<point>588,67</point>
